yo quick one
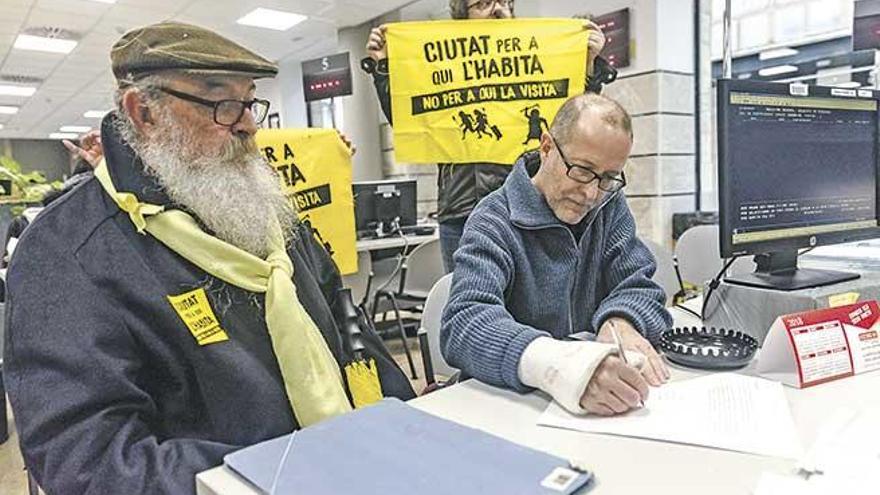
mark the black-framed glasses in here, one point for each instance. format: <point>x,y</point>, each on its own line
<point>586,175</point>
<point>227,112</point>
<point>488,4</point>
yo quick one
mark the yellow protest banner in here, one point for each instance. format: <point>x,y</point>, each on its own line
<point>483,90</point>
<point>314,166</point>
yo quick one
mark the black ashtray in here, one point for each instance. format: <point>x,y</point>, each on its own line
<point>708,348</point>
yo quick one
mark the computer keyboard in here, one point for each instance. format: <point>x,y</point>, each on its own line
<point>363,235</point>
<point>418,229</point>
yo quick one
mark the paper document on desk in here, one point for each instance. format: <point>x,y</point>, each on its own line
<point>792,484</point>
<point>725,411</point>
<point>845,458</point>
<point>847,444</point>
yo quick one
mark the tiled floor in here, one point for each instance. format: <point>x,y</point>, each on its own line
<point>13,480</point>
<point>396,348</point>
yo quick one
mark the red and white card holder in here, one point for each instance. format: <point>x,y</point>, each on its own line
<point>813,347</point>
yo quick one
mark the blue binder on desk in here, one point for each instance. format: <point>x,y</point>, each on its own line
<point>392,448</point>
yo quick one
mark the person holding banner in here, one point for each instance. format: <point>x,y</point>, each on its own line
<point>553,253</point>
<point>460,186</point>
<point>172,309</point>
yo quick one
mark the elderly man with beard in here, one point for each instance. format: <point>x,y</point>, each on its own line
<point>171,309</point>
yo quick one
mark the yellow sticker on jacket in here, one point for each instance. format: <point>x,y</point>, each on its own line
<point>195,311</point>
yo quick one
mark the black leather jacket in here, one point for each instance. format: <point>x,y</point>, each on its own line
<point>128,401</point>
<point>460,186</point>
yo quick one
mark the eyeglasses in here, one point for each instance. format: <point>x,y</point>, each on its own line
<point>488,4</point>
<point>227,112</point>
<point>585,175</point>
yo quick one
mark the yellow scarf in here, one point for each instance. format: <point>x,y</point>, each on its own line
<point>311,376</point>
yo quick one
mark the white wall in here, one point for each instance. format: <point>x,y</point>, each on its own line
<point>643,23</point>
<point>675,43</point>
<point>425,10</point>
<point>424,174</point>
<point>270,89</point>
<point>708,151</point>
<point>361,109</point>
<point>660,30</point>
<point>657,89</point>
<point>285,94</point>
<point>293,104</point>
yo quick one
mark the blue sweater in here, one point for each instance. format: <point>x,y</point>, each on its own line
<point>521,274</point>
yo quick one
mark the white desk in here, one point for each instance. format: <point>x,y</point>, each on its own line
<point>395,242</point>
<point>621,465</point>
<point>860,256</point>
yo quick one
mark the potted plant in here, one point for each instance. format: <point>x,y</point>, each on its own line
<point>22,189</point>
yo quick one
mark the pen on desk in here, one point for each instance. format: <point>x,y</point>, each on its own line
<point>620,350</point>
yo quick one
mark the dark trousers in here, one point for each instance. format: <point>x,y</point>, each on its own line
<point>450,236</point>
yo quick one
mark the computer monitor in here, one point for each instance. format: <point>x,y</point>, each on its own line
<point>797,168</point>
<point>381,207</point>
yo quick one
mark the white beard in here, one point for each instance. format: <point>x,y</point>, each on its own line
<point>233,191</point>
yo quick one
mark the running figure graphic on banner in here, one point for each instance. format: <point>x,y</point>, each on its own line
<point>478,124</point>
<point>537,124</point>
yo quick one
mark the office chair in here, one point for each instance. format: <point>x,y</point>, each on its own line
<point>665,275</point>
<point>429,335</point>
<point>418,272</point>
<point>699,255</point>
<point>361,281</point>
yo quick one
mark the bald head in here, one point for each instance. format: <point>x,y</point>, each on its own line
<point>590,106</point>
<point>583,156</point>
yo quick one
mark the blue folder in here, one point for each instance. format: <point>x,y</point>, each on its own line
<point>392,448</point>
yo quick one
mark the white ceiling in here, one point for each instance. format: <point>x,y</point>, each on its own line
<point>80,81</point>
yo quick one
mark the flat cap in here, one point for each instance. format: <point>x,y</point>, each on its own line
<point>178,46</point>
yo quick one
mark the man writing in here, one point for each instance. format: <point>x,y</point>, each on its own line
<point>460,186</point>
<point>171,309</point>
<point>552,253</point>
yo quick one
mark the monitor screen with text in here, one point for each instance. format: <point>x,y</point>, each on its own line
<point>798,166</point>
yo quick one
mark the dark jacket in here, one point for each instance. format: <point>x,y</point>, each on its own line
<point>520,274</point>
<point>460,186</point>
<point>111,392</point>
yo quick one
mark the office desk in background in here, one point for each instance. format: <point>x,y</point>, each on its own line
<point>622,465</point>
<point>378,256</point>
<point>395,242</point>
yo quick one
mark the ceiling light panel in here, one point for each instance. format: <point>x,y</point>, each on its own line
<point>777,53</point>
<point>63,135</point>
<point>43,44</point>
<point>271,19</point>
<point>10,90</point>
<point>777,70</point>
<point>75,128</point>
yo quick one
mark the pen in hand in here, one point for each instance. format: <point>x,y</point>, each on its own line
<point>620,350</point>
